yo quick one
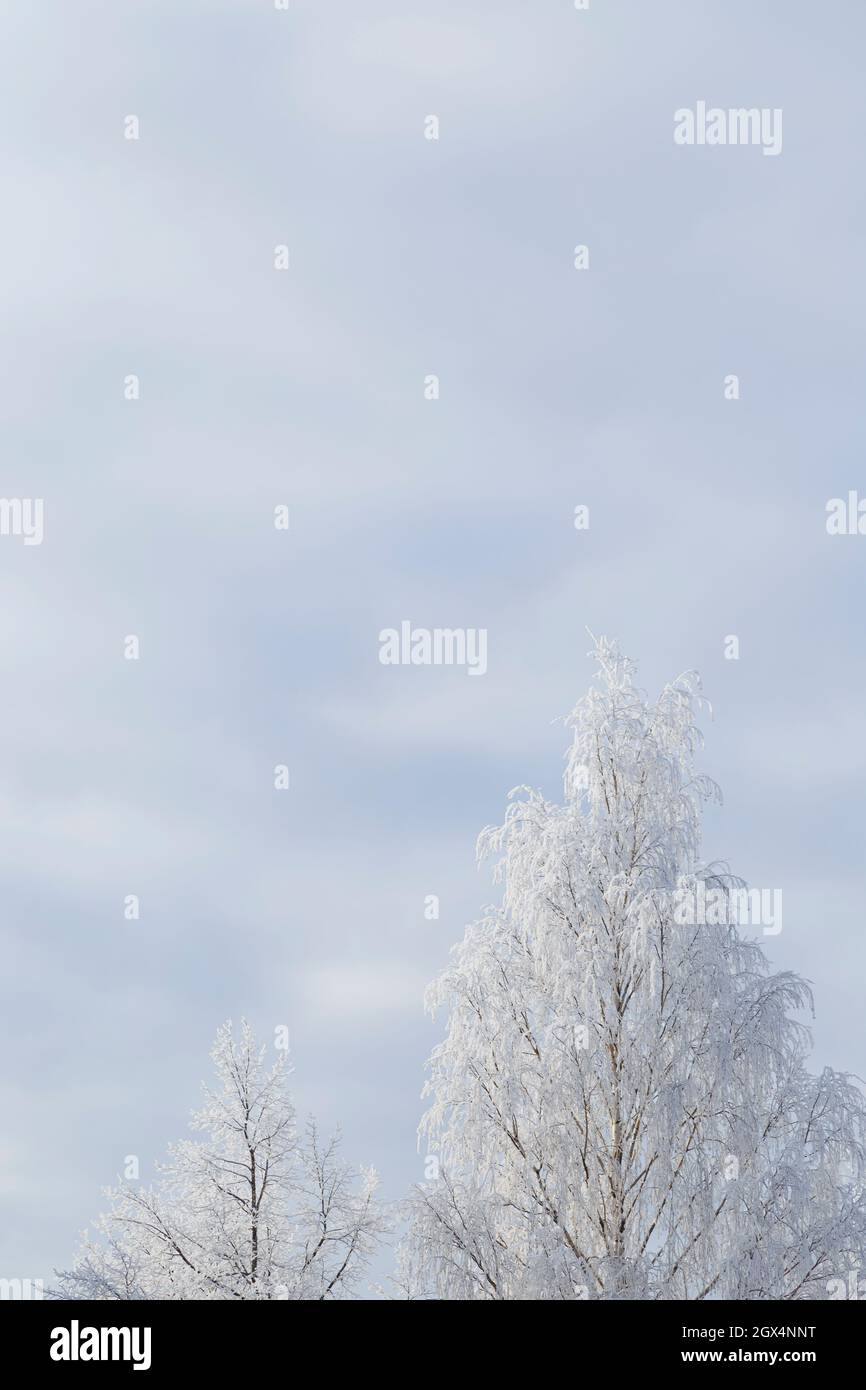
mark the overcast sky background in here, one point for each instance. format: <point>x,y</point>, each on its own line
<point>558,387</point>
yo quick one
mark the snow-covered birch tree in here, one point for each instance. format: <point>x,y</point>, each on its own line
<point>249,1211</point>
<point>621,1106</point>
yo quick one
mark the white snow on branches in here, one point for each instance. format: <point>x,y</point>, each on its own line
<point>250,1211</point>
<point>620,1104</point>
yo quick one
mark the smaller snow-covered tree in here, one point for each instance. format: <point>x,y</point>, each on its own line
<point>251,1211</point>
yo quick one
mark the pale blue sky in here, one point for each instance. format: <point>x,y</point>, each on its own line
<point>557,388</point>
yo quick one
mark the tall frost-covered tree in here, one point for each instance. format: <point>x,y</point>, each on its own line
<point>621,1106</point>
<point>250,1211</point>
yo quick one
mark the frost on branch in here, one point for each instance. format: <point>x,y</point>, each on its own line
<point>248,1211</point>
<point>621,1105</point>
